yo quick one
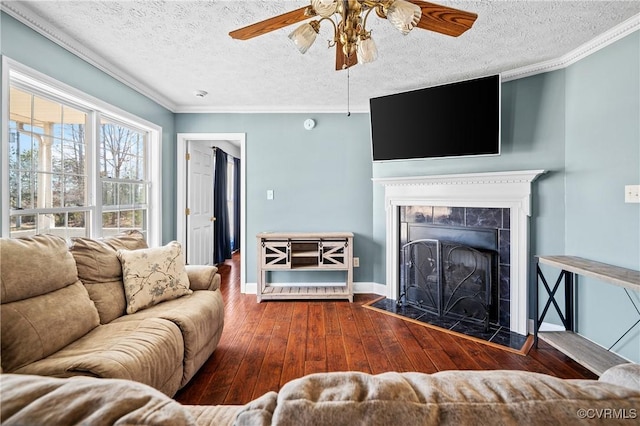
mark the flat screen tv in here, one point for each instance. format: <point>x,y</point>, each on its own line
<point>452,120</point>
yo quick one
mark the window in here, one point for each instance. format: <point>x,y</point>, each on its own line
<point>47,166</point>
<point>123,177</point>
<point>75,166</point>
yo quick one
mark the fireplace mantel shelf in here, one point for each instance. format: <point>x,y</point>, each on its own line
<point>524,176</point>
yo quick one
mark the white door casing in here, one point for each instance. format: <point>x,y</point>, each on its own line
<point>183,140</point>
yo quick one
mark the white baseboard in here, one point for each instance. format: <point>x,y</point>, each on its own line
<point>370,287</point>
<point>546,326</point>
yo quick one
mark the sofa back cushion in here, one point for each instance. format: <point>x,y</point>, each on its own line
<point>34,400</point>
<point>100,270</point>
<point>34,266</point>
<point>44,305</point>
<point>444,398</point>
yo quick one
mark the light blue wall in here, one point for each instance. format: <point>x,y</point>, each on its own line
<point>26,46</point>
<point>603,155</point>
<point>321,178</point>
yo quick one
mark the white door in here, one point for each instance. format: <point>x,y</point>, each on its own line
<point>200,215</point>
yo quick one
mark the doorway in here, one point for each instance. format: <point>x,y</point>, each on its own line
<point>201,142</point>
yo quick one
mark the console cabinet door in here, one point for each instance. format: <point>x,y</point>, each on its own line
<point>335,254</point>
<point>276,254</point>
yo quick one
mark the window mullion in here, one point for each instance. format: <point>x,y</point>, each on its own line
<point>95,186</point>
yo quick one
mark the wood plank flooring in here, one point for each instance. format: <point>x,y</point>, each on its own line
<point>265,345</point>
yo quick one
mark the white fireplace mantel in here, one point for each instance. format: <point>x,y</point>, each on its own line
<point>510,190</point>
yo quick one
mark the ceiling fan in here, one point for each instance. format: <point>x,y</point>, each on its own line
<point>349,18</point>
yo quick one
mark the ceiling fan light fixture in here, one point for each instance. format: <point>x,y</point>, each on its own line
<point>324,8</point>
<point>403,15</point>
<point>366,50</point>
<point>351,39</point>
<point>304,36</point>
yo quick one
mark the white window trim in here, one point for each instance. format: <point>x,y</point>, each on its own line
<point>20,72</point>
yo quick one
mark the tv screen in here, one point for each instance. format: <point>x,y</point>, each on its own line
<point>452,120</point>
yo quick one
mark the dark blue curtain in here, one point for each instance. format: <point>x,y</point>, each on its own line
<point>236,204</point>
<point>222,243</point>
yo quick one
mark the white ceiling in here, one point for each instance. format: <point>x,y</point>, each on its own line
<point>170,49</point>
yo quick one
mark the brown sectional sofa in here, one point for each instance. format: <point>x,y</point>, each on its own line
<point>63,314</point>
<point>347,398</point>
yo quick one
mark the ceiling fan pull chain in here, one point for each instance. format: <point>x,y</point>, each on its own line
<point>348,86</point>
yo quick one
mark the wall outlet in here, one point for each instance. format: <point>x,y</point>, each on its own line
<point>356,262</point>
<point>632,194</point>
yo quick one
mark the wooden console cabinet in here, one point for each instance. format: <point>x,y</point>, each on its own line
<point>297,251</point>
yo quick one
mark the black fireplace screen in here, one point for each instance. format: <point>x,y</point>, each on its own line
<point>450,280</point>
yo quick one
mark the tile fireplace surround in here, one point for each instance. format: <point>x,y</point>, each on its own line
<point>509,190</point>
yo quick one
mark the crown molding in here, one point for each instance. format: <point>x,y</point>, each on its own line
<point>27,17</point>
<point>603,40</point>
<point>297,109</point>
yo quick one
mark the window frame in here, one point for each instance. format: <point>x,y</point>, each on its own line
<point>27,78</point>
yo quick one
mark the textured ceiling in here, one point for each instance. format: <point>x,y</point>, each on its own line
<point>172,48</point>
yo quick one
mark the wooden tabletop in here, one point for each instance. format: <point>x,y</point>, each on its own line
<point>616,275</point>
<point>305,235</point>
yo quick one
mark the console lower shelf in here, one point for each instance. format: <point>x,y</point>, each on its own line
<point>586,353</point>
<point>305,292</point>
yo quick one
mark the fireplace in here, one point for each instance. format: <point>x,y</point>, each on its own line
<point>451,272</point>
<point>508,192</point>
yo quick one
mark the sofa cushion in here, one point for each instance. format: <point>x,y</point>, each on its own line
<point>203,277</point>
<point>627,375</point>
<point>148,351</point>
<point>39,265</point>
<point>258,412</point>
<point>33,400</point>
<point>200,317</point>
<point>128,240</point>
<point>35,328</point>
<point>153,275</point>
<point>446,398</point>
<point>100,270</point>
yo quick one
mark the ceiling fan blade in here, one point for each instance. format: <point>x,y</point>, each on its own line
<point>443,19</point>
<point>271,24</point>
<point>342,61</point>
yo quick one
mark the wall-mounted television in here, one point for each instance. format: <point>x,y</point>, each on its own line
<point>451,120</point>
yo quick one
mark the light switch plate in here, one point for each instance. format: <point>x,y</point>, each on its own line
<point>632,194</point>
<point>269,194</point>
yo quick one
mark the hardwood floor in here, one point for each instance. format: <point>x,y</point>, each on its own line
<point>264,345</point>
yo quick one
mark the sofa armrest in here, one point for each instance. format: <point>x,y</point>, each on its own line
<point>626,375</point>
<point>203,277</point>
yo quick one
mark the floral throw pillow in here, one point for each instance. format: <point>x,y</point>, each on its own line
<point>153,275</point>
